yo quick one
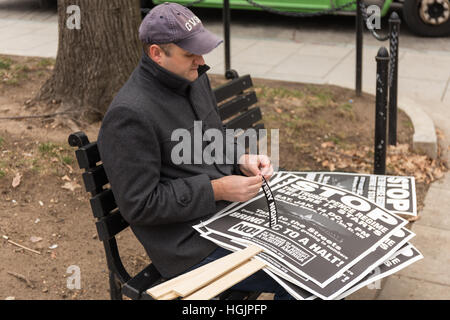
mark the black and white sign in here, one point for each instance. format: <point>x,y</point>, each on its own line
<point>322,230</point>
<point>395,193</point>
<point>401,259</point>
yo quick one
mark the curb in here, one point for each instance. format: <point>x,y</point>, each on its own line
<point>424,139</point>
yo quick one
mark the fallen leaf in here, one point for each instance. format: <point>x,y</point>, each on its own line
<point>66,178</point>
<point>35,239</point>
<point>332,167</point>
<point>328,144</point>
<point>16,180</point>
<point>70,168</point>
<point>71,186</point>
<point>437,173</point>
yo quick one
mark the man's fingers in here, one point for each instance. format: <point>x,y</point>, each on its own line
<point>267,173</point>
<point>264,160</point>
<point>254,180</point>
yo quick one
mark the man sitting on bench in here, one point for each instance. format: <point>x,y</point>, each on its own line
<point>161,200</point>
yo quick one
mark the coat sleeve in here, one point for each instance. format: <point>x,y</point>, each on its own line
<point>130,151</point>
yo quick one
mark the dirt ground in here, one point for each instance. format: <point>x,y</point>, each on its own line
<point>43,205</point>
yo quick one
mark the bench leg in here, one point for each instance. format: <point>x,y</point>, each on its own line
<point>115,287</point>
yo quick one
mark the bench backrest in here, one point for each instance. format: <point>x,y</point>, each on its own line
<point>236,109</point>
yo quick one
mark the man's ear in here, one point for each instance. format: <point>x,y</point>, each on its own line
<point>155,53</point>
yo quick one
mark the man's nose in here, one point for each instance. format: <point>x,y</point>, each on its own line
<point>199,60</point>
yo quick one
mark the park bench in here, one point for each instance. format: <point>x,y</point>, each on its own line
<point>236,107</point>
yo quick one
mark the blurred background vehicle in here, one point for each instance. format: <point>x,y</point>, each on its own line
<point>429,18</point>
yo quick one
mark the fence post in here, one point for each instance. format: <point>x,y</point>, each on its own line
<point>394,31</point>
<point>359,44</point>
<point>382,59</point>
<point>226,34</point>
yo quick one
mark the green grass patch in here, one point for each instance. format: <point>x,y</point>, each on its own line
<point>5,63</point>
<point>279,93</point>
<point>45,62</point>
<point>48,149</point>
<point>67,159</point>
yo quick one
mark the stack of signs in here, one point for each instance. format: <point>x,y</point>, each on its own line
<point>334,233</point>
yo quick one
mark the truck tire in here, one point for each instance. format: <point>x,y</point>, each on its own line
<point>45,4</point>
<point>429,18</point>
<point>147,4</point>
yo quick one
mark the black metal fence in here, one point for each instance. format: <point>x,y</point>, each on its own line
<point>393,37</point>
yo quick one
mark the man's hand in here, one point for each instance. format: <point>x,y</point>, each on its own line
<point>236,188</point>
<point>254,165</point>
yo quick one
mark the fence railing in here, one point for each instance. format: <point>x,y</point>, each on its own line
<point>393,37</point>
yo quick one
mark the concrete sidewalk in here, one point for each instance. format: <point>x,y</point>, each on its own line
<point>424,93</point>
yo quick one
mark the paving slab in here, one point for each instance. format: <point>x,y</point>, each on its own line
<point>399,287</point>
<point>217,56</point>
<point>436,212</point>
<point>433,243</point>
<point>256,70</point>
<point>364,294</point>
<point>446,96</point>
<point>274,75</point>
<point>443,183</point>
<point>423,67</point>
<point>421,89</point>
<point>269,53</point>
<point>321,50</point>
<point>311,66</point>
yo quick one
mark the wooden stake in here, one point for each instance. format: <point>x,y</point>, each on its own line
<point>22,278</point>
<point>23,247</point>
<point>226,263</point>
<point>227,281</point>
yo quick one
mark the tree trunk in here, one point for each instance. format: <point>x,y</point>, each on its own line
<point>94,58</point>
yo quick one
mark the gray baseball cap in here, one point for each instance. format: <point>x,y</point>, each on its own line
<point>173,23</point>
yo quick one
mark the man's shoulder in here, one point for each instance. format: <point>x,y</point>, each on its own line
<point>131,97</point>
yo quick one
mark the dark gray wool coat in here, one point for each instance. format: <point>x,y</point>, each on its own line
<point>162,200</point>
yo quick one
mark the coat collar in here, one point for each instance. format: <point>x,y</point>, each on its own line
<point>150,69</point>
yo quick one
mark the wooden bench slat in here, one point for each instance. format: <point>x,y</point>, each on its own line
<point>245,120</point>
<point>232,88</point>
<point>103,203</point>
<point>141,282</point>
<point>110,225</point>
<point>95,178</point>
<point>88,156</point>
<point>234,106</point>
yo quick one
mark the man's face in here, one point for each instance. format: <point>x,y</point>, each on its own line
<point>181,62</point>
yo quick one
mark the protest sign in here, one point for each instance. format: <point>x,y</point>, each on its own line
<point>321,232</point>
<point>394,193</point>
<point>401,259</point>
<point>299,285</point>
<point>231,245</point>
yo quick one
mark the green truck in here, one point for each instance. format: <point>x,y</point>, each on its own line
<point>430,18</point>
